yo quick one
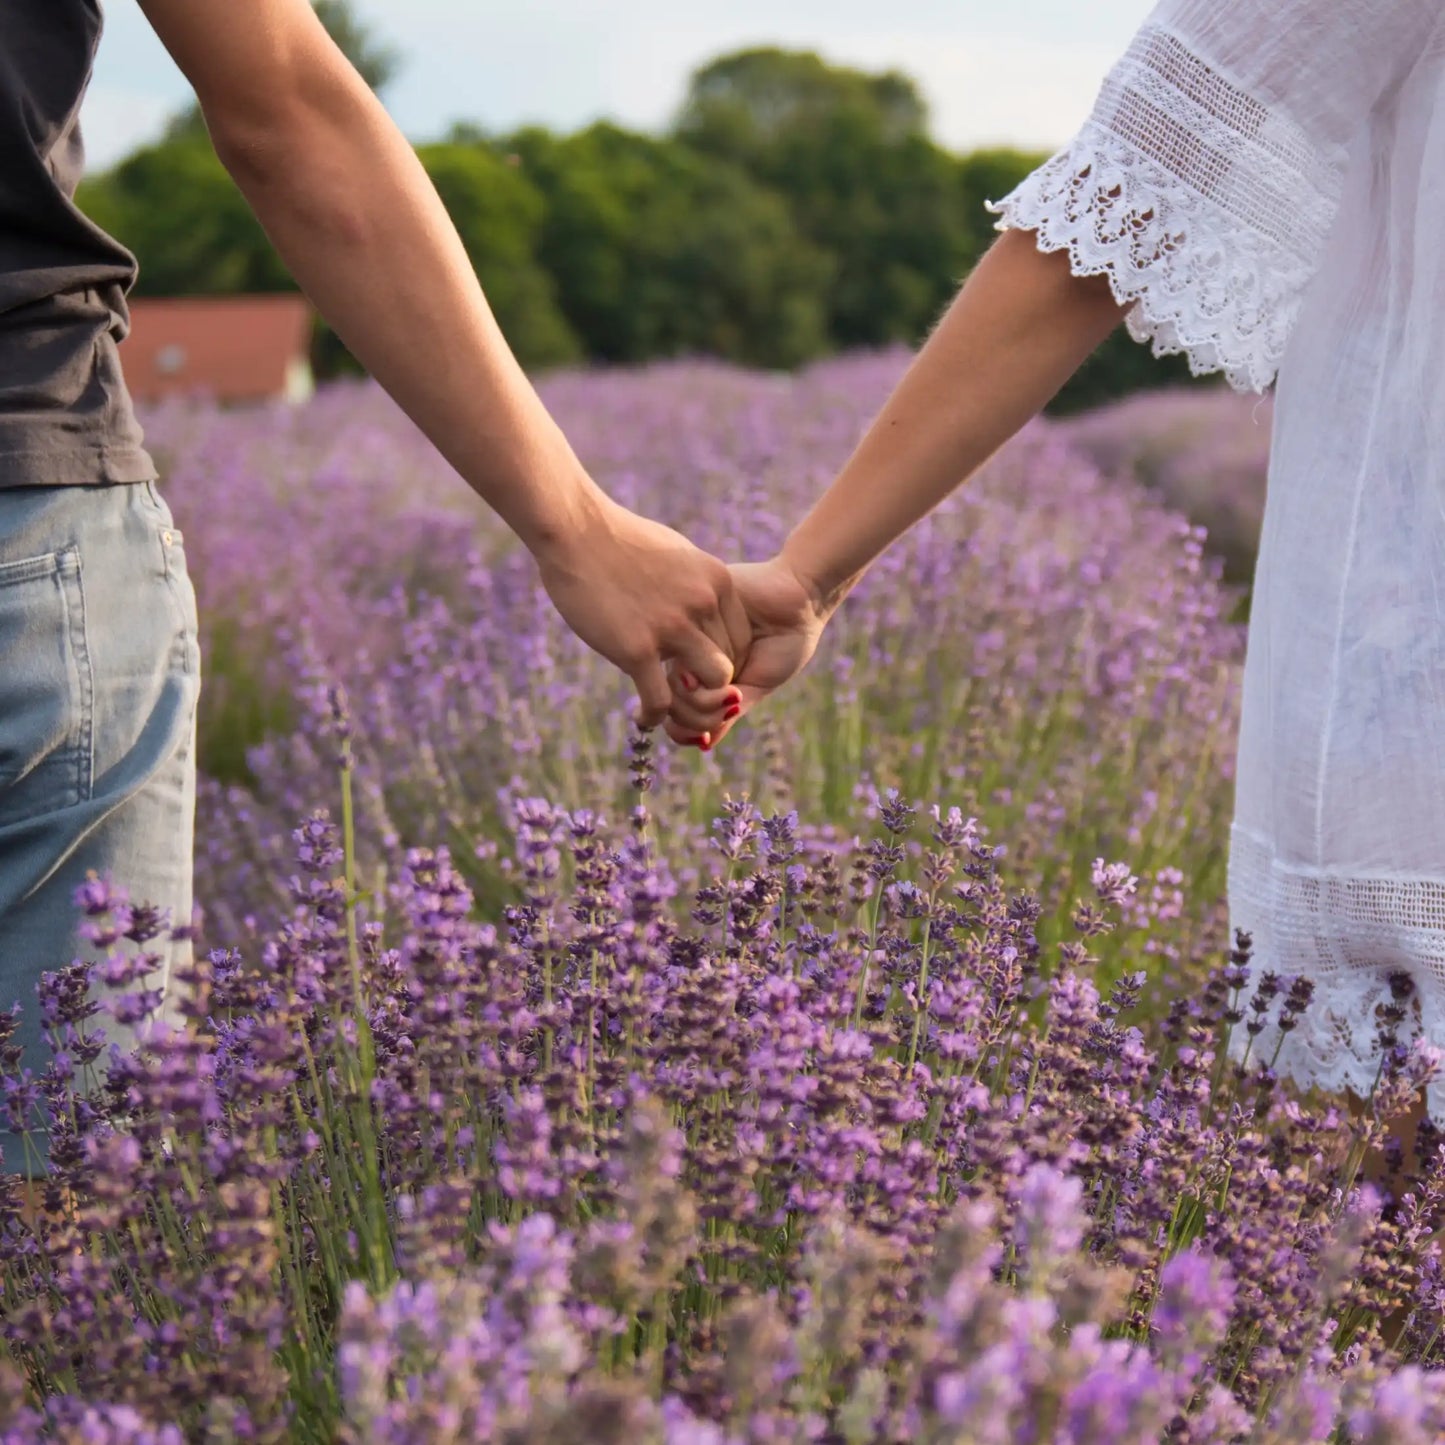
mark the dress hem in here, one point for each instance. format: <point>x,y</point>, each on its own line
<point>1348,933</point>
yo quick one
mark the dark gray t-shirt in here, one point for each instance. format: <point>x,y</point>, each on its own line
<point>65,414</point>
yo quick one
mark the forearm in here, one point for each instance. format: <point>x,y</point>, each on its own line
<point>353,215</point>
<point>1018,329</point>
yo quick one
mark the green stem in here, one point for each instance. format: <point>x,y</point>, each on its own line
<point>868,956</point>
<point>921,1012</point>
<point>348,845</point>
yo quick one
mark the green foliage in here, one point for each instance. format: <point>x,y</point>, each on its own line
<point>499,214</point>
<point>749,102</point>
<point>376,62</point>
<point>237,708</point>
<point>1118,367</point>
<point>797,208</point>
<point>174,205</point>
<point>660,251</point>
<point>850,154</point>
<point>989,175</point>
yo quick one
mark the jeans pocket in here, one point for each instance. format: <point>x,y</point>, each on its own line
<point>159,508</point>
<point>183,597</point>
<point>172,543</point>
<point>46,687</point>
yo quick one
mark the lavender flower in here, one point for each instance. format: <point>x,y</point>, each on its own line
<point>806,1101</point>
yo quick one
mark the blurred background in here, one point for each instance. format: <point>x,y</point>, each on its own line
<point>763,184</point>
<point>714,234</point>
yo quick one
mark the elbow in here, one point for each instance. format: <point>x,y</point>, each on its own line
<point>297,158</point>
<point>254,150</point>
<point>255,134</point>
<point>261,132</point>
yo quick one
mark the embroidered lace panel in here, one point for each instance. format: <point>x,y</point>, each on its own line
<point>1203,207</point>
<point>1347,935</point>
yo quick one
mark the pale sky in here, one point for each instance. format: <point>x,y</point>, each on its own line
<point>1024,72</point>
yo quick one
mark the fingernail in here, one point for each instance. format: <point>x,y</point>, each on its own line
<point>705,742</point>
<point>689,682</point>
<point>732,712</point>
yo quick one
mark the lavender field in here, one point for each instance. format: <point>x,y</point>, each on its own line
<point>1202,451</point>
<point>862,1081</point>
<point>1045,653</point>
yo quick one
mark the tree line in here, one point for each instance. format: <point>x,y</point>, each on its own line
<point>794,208</point>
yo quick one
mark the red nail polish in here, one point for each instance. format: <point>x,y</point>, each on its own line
<point>732,712</point>
<point>705,742</point>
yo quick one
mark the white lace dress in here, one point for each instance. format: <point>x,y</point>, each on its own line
<point>1265,181</point>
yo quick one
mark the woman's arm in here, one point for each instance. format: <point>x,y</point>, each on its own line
<point>347,205</point>
<point>1280,86</point>
<point>1283,87</point>
<point>1019,328</point>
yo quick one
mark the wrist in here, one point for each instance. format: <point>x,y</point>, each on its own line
<point>570,513</point>
<point>825,589</point>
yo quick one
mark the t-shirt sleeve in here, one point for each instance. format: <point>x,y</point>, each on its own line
<point>1207,177</point>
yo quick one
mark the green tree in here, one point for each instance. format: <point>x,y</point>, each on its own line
<point>1119,366</point>
<point>749,102</point>
<point>175,206</point>
<point>499,214</point>
<point>660,251</point>
<point>797,207</point>
<point>904,220</point>
<point>989,175</point>
<point>851,155</point>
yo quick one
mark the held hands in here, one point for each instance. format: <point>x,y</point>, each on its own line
<point>640,593</point>
<point>703,643</point>
<point>786,617</point>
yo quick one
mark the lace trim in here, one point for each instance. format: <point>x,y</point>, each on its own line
<point>1346,934</point>
<point>1205,209</point>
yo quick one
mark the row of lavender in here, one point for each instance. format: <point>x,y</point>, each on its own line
<point>1203,451</point>
<point>1047,651</point>
<point>838,1154</point>
<point>553,1096</point>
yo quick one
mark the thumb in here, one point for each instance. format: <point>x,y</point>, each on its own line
<point>654,696</point>
<point>701,656</point>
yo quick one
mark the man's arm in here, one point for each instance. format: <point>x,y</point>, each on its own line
<point>349,208</point>
<point>351,212</point>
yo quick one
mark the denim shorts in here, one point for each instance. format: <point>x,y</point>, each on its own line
<point>99,677</point>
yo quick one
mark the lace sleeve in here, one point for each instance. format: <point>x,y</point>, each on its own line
<point>1206,206</point>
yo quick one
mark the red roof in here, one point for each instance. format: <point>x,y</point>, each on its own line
<point>234,348</point>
